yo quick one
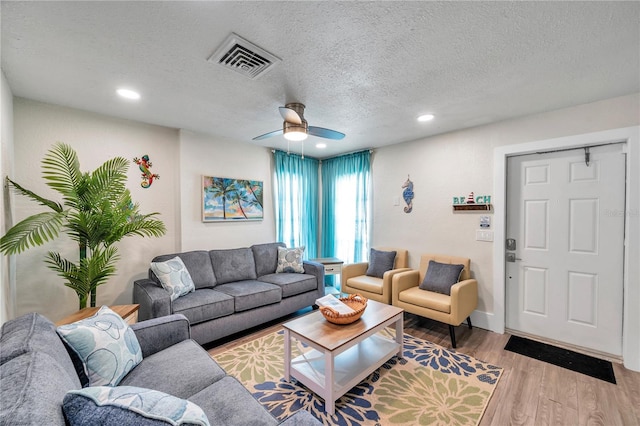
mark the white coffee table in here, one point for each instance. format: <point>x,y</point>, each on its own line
<point>342,355</point>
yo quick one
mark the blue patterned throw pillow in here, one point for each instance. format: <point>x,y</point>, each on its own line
<point>290,260</point>
<point>129,405</point>
<point>174,277</point>
<point>106,346</point>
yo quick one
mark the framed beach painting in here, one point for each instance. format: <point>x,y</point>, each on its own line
<point>226,199</point>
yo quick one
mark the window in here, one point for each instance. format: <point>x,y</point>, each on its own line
<point>345,207</point>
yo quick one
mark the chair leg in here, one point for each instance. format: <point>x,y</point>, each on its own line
<point>452,333</point>
<point>469,322</point>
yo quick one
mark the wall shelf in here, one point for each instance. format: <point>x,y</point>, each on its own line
<point>469,207</point>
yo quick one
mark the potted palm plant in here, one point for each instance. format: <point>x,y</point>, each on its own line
<point>96,212</point>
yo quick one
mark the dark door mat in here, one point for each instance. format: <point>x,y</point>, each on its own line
<point>564,358</point>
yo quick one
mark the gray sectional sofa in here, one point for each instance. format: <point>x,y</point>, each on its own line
<point>236,289</point>
<point>36,372</point>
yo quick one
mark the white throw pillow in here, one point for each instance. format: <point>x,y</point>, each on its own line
<point>106,346</point>
<point>174,277</point>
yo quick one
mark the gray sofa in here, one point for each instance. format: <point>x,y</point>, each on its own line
<point>236,289</point>
<point>36,372</point>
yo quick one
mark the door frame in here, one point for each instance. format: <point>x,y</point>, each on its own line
<point>631,287</point>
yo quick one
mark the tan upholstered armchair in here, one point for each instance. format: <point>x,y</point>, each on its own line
<point>354,278</point>
<point>451,310</point>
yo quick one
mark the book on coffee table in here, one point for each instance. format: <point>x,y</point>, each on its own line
<point>333,303</point>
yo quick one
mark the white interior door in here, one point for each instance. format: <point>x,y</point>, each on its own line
<point>567,220</point>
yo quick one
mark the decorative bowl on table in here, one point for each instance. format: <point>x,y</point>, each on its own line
<point>355,301</point>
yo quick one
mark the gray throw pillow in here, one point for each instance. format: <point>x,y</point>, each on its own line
<point>380,262</point>
<point>441,276</point>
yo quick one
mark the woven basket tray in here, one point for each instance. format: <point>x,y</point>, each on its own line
<point>354,301</point>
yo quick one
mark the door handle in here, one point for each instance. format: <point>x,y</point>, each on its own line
<point>511,257</point>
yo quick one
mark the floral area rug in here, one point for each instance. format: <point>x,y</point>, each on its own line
<point>430,385</point>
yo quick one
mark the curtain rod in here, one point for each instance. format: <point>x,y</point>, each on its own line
<point>371,151</point>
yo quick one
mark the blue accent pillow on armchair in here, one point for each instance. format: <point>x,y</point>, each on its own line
<point>380,262</point>
<point>440,277</point>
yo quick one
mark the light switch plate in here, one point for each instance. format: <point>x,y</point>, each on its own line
<point>484,235</point>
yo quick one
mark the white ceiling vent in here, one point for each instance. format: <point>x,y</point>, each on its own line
<point>239,55</point>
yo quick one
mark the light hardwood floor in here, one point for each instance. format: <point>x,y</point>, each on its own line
<point>530,392</point>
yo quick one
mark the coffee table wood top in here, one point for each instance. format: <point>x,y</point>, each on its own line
<point>317,329</point>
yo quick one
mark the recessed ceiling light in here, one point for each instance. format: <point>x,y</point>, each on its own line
<point>321,145</point>
<point>128,94</point>
<point>426,117</point>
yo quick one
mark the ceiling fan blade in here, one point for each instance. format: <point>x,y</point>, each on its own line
<point>325,133</point>
<point>268,135</point>
<point>290,116</point>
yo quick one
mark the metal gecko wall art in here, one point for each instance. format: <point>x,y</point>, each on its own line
<point>145,168</point>
<point>407,194</point>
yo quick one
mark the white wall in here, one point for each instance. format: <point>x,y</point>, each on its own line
<point>207,155</point>
<point>457,163</point>
<point>441,167</point>
<point>7,279</point>
<point>96,138</point>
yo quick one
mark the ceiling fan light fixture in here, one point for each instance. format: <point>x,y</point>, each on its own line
<point>295,135</point>
<point>295,132</point>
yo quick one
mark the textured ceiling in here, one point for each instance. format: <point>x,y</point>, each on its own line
<point>365,69</point>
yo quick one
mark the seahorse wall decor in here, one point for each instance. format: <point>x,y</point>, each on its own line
<point>145,168</point>
<point>407,194</point>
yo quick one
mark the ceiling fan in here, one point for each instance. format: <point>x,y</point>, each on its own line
<point>296,128</point>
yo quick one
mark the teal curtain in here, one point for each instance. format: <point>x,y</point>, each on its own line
<point>345,207</point>
<point>296,198</point>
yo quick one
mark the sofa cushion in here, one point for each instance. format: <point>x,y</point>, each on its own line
<point>380,262</point>
<point>174,277</point>
<point>238,407</point>
<point>291,284</point>
<point>105,344</point>
<point>366,283</point>
<point>440,277</point>
<point>426,299</point>
<point>128,405</point>
<point>33,386</point>
<point>266,257</point>
<point>198,264</point>
<point>233,265</point>
<point>179,370</point>
<point>204,305</point>
<point>34,332</point>
<point>251,294</point>
<point>290,260</point>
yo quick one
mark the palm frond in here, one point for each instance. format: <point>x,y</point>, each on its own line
<point>110,178</point>
<point>61,170</point>
<point>100,266</point>
<point>143,226</point>
<point>32,231</point>
<point>76,277</point>
<point>35,197</point>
